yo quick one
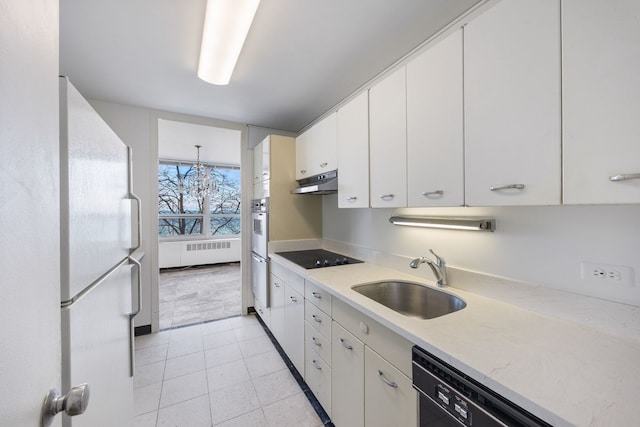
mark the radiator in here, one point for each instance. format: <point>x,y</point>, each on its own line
<point>185,253</point>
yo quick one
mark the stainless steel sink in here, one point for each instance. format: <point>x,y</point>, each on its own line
<point>411,299</point>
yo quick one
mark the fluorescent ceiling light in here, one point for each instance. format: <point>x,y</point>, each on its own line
<point>226,25</point>
<point>475,224</point>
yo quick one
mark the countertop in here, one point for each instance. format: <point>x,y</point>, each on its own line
<point>566,372</point>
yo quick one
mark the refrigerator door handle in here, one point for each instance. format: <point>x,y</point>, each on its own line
<point>133,196</point>
<point>133,314</point>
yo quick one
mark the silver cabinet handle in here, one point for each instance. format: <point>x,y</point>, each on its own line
<point>303,171</point>
<point>317,295</point>
<point>73,403</point>
<point>316,318</point>
<point>345,345</point>
<point>624,177</point>
<point>352,199</point>
<point>265,173</point>
<point>255,177</point>
<point>507,187</point>
<point>386,196</point>
<point>293,299</point>
<point>386,381</point>
<point>437,193</point>
<point>315,364</point>
<point>315,341</point>
<point>324,164</point>
<point>277,285</point>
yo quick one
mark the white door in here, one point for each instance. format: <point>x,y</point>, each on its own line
<point>29,212</point>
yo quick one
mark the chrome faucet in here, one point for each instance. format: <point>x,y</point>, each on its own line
<point>439,268</point>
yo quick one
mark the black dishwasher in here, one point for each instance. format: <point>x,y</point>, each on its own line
<point>448,397</point>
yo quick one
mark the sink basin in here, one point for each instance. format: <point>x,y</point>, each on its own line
<point>411,299</point>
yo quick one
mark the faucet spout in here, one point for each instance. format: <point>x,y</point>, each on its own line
<point>439,268</point>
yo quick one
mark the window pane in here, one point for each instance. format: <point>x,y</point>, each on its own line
<point>171,200</point>
<point>179,226</point>
<point>225,225</point>
<point>226,200</point>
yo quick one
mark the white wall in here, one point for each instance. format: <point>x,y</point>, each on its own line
<point>539,245</point>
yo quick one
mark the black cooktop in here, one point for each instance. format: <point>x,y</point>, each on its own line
<point>317,258</point>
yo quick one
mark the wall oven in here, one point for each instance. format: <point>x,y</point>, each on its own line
<point>449,398</point>
<point>259,250</point>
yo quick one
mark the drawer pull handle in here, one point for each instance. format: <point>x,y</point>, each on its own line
<point>303,171</point>
<point>293,299</point>
<point>345,345</point>
<point>624,177</point>
<point>507,187</point>
<point>386,197</point>
<point>316,318</point>
<point>323,165</point>
<point>317,295</point>
<point>437,193</point>
<point>315,365</point>
<point>277,285</point>
<point>386,381</point>
<point>352,199</point>
<point>319,344</point>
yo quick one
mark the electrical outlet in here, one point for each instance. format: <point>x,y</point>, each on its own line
<point>604,273</point>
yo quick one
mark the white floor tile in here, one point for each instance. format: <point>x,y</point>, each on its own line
<point>221,355</point>
<point>233,401</point>
<point>180,334</point>
<point>265,363</point>
<point>146,420</point>
<point>218,339</point>
<point>243,321</point>
<point>183,365</point>
<point>191,413</point>
<point>294,411</point>
<point>217,326</point>
<point>275,386</point>
<point>250,331</point>
<point>185,345</point>
<point>252,419</point>
<point>152,340</point>
<point>226,375</point>
<point>148,374</point>
<point>183,388</point>
<point>146,399</point>
<point>254,346</point>
<point>151,355</point>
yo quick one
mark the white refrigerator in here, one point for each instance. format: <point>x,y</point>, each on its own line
<point>99,272</point>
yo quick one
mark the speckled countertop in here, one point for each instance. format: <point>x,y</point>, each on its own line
<point>543,349</point>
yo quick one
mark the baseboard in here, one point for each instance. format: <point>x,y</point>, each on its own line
<point>142,330</point>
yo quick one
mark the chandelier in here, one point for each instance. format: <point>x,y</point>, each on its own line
<point>198,184</point>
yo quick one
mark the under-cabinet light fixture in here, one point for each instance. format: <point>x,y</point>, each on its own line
<point>453,223</point>
<point>226,25</point>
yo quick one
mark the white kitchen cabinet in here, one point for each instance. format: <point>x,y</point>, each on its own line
<point>390,397</point>
<point>388,141</point>
<point>317,148</point>
<point>435,155</point>
<point>601,101</point>
<point>512,104</point>
<point>353,153</point>
<point>293,341</point>
<point>347,381</point>
<point>276,288</point>
<point>261,160</point>
<point>318,378</point>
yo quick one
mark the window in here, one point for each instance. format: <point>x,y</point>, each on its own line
<point>181,214</point>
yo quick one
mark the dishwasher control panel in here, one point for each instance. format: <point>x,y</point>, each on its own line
<point>453,403</point>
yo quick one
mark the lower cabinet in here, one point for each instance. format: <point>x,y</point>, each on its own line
<point>276,292</point>
<point>347,354</point>
<point>318,378</point>
<point>293,340</point>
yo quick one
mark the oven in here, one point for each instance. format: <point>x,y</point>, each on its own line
<point>259,250</point>
<point>449,398</point>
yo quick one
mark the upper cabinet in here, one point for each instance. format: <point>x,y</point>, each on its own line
<point>512,105</point>
<point>601,101</point>
<point>353,153</point>
<point>316,148</point>
<point>435,155</point>
<point>388,141</point>
<point>261,161</point>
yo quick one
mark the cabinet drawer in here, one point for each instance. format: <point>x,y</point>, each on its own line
<point>319,320</point>
<point>389,344</point>
<point>318,296</point>
<point>318,378</point>
<point>318,342</point>
<point>263,312</point>
<point>291,278</point>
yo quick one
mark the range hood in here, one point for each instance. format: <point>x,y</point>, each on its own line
<point>324,183</point>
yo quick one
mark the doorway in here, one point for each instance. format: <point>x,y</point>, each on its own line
<point>199,226</point>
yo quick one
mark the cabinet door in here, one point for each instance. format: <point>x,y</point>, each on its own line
<point>265,169</point>
<point>512,104</point>
<point>318,378</point>
<point>601,97</point>
<point>316,149</point>
<point>293,342</point>
<point>353,153</point>
<point>277,308</point>
<point>435,157</point>
<point>347,381</point>
<point>388,142</point>
<point>258,159</point>
<point>303,147</point>
<point>390,399</point>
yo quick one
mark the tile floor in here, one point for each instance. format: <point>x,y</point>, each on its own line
<point>198,294</point>
<point>223,373</point>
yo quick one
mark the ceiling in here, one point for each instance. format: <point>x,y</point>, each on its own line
<point>301,57</point>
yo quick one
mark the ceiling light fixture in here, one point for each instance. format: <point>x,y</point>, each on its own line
<point>198,183</point>
<point>475,224</point>
<point>226,25</point>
